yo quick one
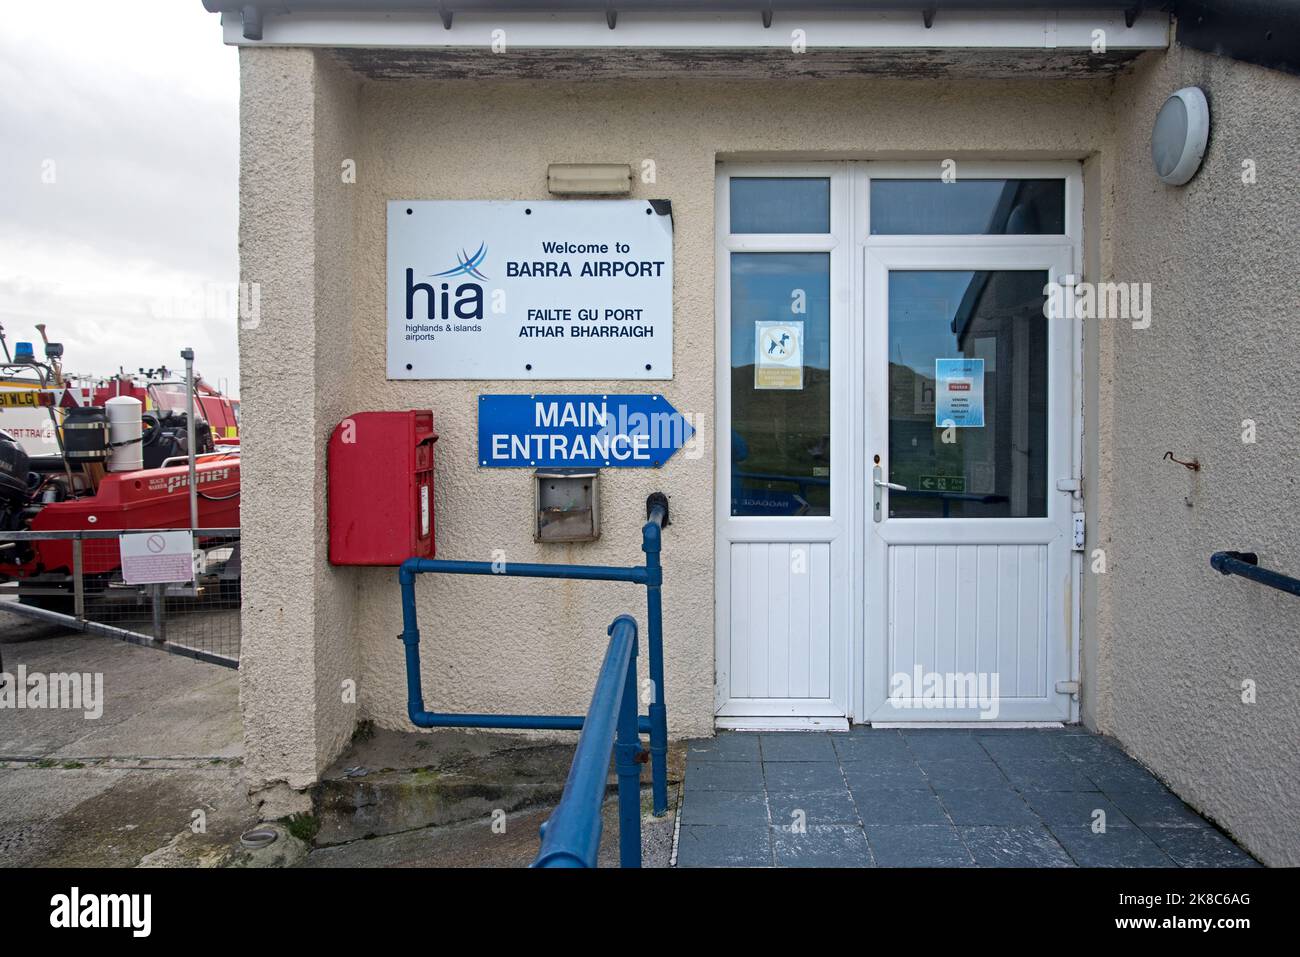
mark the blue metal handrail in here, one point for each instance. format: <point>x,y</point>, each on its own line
<point>571,836</point>
<point>654,723</point>
<point>1246,564</point>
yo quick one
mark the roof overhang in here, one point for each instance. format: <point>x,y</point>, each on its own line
<point>591,39</point>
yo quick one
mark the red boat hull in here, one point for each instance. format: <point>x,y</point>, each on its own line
<point>152,498</point>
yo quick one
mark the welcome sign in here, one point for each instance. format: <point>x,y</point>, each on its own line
<point>554,289</point>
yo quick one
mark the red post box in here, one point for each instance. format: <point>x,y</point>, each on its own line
<point>381,488</point>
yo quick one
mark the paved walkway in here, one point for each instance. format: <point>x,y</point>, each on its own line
<point>130,786</point>
<point>934,798</point>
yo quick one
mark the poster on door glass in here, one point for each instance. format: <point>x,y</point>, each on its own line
<point>959,393</point>
<point>778,362</point>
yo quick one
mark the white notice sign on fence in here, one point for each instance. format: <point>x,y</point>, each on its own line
<point>152,557</point>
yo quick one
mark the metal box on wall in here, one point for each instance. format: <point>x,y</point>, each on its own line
<point>380,472</point>
<point>567,505</point>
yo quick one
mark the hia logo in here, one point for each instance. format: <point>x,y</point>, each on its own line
<point>442,302</point>
<point>73,910</point>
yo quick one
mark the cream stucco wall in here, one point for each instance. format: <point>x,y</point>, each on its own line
<point>299,638</point>
<point>1177,639</point>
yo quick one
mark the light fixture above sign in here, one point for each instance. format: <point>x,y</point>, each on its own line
<point>589,179</point>
<point>1178,139</point>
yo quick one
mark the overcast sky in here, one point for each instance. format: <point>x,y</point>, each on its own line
<point>128,253</point>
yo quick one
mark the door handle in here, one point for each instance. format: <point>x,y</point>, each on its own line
<point>878,480</point>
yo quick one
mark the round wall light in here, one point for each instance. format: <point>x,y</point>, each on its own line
<point>1179,136</point>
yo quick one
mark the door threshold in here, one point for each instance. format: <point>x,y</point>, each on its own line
<point>965,725</point>
<point>786,723</point>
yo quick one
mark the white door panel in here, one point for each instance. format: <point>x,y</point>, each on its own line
<point>968,618</point>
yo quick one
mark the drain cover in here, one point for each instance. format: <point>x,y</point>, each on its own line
<point>259,837</point>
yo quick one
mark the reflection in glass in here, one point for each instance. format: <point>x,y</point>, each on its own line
<point>998,470</point>
<point>780,418</point>
<point>780,205</point>
<point>982,207</point>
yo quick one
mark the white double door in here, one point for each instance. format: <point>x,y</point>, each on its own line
<point>937,581</point>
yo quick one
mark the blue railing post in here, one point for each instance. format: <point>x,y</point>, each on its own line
<point>651,535</point>
<point>626,752</point>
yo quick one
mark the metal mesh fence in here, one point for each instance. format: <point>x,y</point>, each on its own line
<point>81,584</point>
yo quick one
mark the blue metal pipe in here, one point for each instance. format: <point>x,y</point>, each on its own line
<point>651,536</point>
<point>434,719</point>
<point>627,752</point>
<point>1246,564</point>
<point>628,724</point>
<point>599,573</point>
<point>571,837</point>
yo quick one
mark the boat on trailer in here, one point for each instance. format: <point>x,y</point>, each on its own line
<point>78,454</point>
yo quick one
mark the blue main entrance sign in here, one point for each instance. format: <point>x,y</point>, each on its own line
<point>581,431</point>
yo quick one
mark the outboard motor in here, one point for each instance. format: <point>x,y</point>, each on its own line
<point>15,487</point>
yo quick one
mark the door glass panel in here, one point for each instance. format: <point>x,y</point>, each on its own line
<point>763,204</point>
<point>981,207</point>
<point>969,349</point>
<point>781,400</point>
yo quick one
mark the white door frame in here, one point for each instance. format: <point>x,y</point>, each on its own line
<point>850,244</point>
<point>834,530</point>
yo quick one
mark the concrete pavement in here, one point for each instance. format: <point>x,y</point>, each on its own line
<point>156,779</point>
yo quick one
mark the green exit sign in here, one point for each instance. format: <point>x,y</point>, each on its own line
<point>943,483</point>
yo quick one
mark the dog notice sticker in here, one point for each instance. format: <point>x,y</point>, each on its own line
<point>150,558</point>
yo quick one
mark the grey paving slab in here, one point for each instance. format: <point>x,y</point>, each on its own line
<point>885,776</point>
<point>1156,809</point>
<point>724,807</point>
<point>1026,846</point>
<point>825,806</point>
<point>987,806</point>
<point>1081,746</point>
<point>953,775</point>
<point>1029,745</point>
<point>961,747</point>
<point>727,746</point>
<point>855,748</point>
<point>901,807</point>
<point>723,776</point>
<point>1056,774</point>
<point>918,846</point>
<point>1116,847</point>
<point>1122,778</point>
<point>1074,808</point>
<point>724,846</point>
<point>797,747</point>
<point>803,775</point>
<point>822,845</point>
<point>1199,847</point>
